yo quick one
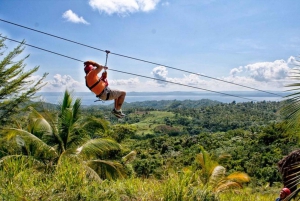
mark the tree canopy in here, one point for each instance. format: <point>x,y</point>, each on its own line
<point>16,84</point>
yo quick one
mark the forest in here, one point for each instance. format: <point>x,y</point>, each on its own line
<point>161,150</point>
<point>252,136</point>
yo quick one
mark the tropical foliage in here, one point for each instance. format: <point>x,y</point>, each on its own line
<point>74,153</point>
<point>213,176</point>
<point>16,85</point>
<point>49,140</point>
<point>289,166</point>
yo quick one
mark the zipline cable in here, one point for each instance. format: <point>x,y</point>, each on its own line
<point>128,72</point>
<point>206,76</point>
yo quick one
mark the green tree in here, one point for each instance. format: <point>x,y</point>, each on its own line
<point>16,84</point>
<point>121,132</point>
<point>213,177</point>
<point>50,139</point>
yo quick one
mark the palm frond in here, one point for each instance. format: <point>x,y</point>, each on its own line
<point>37,124</point>
<point>9,133</point>
<point>45,128</point>
<point>96,147</point>
<point>92,122</point>
<point>69,128</point>
<point>289,168</point>
<point>218,173</point>
<point>107,169</point>
<point>66,101</point>
<point>76,110</point>
<point>77,135</point>
<point>92,174</point>
<point>77,139</point>
<point>207,165</point>
<point>129,157</point>
<point>223,158</point>
<point>239,177</point>
<point>37,146</point>
<point>292,175</point>
<point>66,118</point>
<point>228,186</point>
<point>291,109</point>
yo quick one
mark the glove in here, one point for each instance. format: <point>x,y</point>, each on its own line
<point>90,63</point>
<point>104,75</point>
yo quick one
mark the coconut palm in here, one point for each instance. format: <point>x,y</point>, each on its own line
<point>291,107</point>
<point>212,176</point>
<point>289,166</point>
<point>50,137</point>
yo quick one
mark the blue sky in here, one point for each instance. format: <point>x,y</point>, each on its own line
<point>250,42</point>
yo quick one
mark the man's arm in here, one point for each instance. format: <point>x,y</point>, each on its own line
<point>98,66</point>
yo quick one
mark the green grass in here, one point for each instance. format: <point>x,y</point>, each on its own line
<point>151,120</point>
<point>21,181</point>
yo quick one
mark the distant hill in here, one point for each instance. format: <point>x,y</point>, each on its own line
<point>161,104</point>
<point>164,100</point>
<point>172,104</point>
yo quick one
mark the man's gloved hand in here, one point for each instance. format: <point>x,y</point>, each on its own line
<point>90,63</point>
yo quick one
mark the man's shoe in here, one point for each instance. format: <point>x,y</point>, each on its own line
<point>118,114</point>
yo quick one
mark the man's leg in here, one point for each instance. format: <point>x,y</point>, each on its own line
<point>118,97</point>
<point>120,100</point>
<point>116,103</point>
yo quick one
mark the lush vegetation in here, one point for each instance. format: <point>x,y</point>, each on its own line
<point>167,146</point>
<point>16,84</point>
<point>162,150</point>
<point>19,181</point>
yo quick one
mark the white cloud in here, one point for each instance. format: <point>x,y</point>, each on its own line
<point>160,72</point>
<point>293,62</point>
<point>266,71</point>
<point>191,79</point>
<point>123,6</point>
<point>130,82</point>
<point>61,82</point>
<point>234,71</point>
<point>73,17</point>
<point>262,75</point>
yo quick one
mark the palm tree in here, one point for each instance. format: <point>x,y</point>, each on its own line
<point>212,176</point>
<point>291,107</point>
<point>289,166</point>
<point>50,137</point>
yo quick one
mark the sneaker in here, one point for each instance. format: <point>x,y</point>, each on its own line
<point>118,114</point>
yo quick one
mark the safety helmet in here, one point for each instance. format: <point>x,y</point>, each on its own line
<point>286,190</point>
<point>88,68</point>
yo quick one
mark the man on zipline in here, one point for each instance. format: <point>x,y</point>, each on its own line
<point>99,86</point>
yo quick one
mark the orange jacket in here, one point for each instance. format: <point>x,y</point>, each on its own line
<point>91,82</point>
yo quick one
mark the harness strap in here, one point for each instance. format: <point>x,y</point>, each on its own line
<point>107,96</point>
<point>91,87</point>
